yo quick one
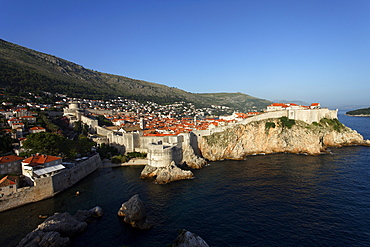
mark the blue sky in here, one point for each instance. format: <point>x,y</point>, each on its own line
<point>309,50</point>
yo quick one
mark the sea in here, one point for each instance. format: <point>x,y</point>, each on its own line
<point>264,200</point>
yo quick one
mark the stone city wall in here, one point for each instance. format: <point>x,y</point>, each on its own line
<point>69,177</point>
<point>47,187</point>
<point>92,123</point>
<point>102,131</point>
<point>160,155</point>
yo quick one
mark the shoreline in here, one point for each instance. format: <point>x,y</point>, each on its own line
<point>132,162</point>
<point>361,115</point>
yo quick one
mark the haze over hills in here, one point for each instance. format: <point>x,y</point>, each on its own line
<point>23,69</point>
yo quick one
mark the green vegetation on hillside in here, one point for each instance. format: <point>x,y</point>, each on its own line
<point>23,70</point>
<point>286,122</point>
<point>333,123</point>
<point>364,111</point>
<point>57,145</point>
<point>269,125</point>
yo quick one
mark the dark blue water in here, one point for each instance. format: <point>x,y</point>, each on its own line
<point>271,200</point>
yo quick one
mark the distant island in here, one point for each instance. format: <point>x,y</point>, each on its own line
<point>365,112</point>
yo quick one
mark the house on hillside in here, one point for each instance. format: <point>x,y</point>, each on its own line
<point>41,165</point>
<point>37,129</point>
<point>10,164</point>
<point>8,185</point>
<point>29,119</point>
<point>20,112</point>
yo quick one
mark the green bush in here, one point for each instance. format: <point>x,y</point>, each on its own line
<point>119,159</point>
<point>334,123</point>
<point>286,122</point>
<point>269,125</point>
<point>136,155</point>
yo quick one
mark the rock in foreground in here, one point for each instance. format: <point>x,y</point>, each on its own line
<point>166,174</point>
<point>57,229</point>
<point>189,239</point>
<point>134,213</point>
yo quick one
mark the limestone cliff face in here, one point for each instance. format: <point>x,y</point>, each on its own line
<point>190,159</point>
<point>275,136</point>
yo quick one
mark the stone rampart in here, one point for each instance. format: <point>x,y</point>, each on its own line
<point>69,177</point>
<point>161,155</point>
<point>103,131</point>
<point>92,123</point>
<point>47,187</point>
<point>146,140</point>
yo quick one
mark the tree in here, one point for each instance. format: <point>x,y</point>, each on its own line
<point>103,121</point>
<point>5,142</point>
<point>83,145</point>
<point>48,143</point>
<point>77,127</point>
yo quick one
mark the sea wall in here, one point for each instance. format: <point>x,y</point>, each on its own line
<point>47,187</point>
<point>69,177</point>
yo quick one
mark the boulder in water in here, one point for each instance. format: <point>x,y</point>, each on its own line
<point>189,239</point>
<point>166,174</point>
<point>57,229</point>
<point>134,213</point>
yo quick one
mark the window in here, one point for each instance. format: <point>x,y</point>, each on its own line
<point>11,186</point>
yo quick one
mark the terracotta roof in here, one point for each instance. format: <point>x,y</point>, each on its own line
<point>40,159</point>
<point>10,158</point>
<point>37,128</point>
<point>8,180</point>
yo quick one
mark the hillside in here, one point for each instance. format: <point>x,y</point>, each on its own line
<point>359,112</point>
<point>23,69</point>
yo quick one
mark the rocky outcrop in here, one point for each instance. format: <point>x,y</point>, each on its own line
<point>165,174</point>
<point>56,230</point>
<point>190,159</point>
<point>186,239</point>
<point>276,136</point>
<point>134,213</point>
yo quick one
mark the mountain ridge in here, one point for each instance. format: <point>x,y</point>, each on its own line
<point>22,68</point>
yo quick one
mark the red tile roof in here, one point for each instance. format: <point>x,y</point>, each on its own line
<point>40,159</point>
<point>10,158</point>
<point>37,128</point>
<point>8,180</point>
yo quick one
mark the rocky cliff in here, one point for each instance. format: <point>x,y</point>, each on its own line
<point>276,136</point>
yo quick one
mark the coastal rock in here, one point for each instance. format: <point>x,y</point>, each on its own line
<point>86,215</point>
<point>187,239</point>
<point>271,136</point>
<point>63,223</point>
<point>166,174</point>
<point>134,213</point>
<point>57,229</point>
<point>44,239</point>
<point>190,158</point>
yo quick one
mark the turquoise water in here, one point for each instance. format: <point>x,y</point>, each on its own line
<point>266,200</point>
